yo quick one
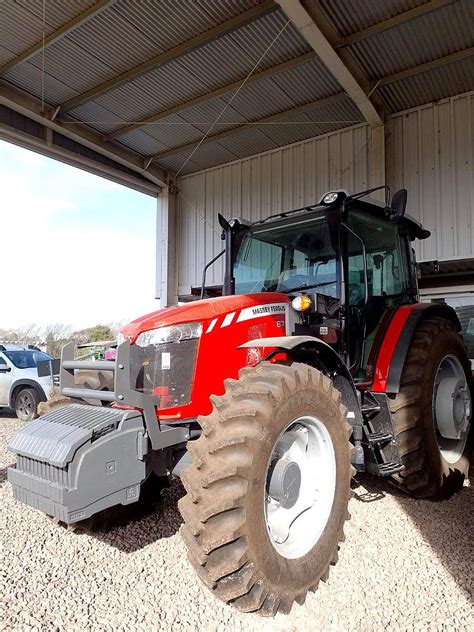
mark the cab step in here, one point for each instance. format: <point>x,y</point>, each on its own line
<point>379,438</point>
<point>388,469</point>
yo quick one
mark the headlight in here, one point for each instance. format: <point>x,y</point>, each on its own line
<point>302,303</point>
<point>174,333</point>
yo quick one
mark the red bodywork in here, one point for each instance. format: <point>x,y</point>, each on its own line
<point>228,322</point>
<point>389,344</point>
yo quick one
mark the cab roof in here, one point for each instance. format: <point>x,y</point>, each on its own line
<point>366,204</point>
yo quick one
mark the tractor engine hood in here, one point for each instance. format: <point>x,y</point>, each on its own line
<point>182,371</point>
<point>200,311</point>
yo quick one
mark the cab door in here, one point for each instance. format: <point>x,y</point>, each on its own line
<point>5,380</point>
<point>379,280</point>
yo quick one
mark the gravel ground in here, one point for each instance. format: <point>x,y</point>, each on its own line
<point>405,565</point>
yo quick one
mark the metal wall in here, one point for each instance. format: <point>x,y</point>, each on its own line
<point>256,187</point>
<point>430,152</point>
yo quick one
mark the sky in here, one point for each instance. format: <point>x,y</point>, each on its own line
<point>75,248</point>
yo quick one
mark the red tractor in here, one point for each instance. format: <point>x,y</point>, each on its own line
<point>318,361</point>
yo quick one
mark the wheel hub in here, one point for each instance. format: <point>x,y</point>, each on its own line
<point>285,482</point>
<point>300,486</point>
<point>453,407</point>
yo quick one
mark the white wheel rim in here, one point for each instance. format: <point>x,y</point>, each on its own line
<point>304,444</point>
<point>451,408</point>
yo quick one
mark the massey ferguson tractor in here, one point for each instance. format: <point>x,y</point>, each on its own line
<point>317,362</point>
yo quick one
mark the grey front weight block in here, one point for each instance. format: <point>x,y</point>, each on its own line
<point>78,460</point>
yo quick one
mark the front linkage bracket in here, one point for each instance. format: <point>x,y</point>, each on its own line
<point>161,435</point>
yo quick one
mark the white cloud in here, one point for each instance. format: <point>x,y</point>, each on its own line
<point>78,274</point>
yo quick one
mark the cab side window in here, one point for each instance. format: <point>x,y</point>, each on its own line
<point>387,273</point>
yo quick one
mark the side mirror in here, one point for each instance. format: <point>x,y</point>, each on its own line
<point>4,368</point>
<point>224,224</point>
<point>398,206</point>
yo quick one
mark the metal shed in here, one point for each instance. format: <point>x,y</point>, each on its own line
<point>249,106</point>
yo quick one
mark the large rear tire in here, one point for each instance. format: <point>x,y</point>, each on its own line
<point>422,412</point>
<point>268,489</point>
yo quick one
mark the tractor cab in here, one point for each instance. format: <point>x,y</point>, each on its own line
<point>346,263</point>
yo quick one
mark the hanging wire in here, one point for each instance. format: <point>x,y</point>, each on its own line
<point>219,116</point>
<point>42,56</point>
<point>201,217</point>
<point>351,163</point>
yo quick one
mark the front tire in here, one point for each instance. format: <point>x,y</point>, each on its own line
<point>429,408</point>
<point>26,404</point>
<point>278,436</point>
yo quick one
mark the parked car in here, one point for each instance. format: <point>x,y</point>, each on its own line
<point>21,388</point>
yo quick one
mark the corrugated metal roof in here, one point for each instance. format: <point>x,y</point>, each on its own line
<point>56,13</point>
<point>308,81</point>
<point>157,90</point>
<point>246,143</point>
<point>110,50</point>
<point>128,33</point>
<point>166,22</point>
<point>429,37</point>
<point>204,115</point>
<point>175,162</point>
<point>98,117</point>
<point>21,23</point>
<point>29,78</point>
<point>174,130</point>
<point>142,143</point>
<point>221,10</point>
<point>256,37</point>
<point>73,65</point>
<point>350,16</point>
<point>429,86</point>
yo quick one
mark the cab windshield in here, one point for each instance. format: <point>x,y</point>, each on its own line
<point>288,256</point>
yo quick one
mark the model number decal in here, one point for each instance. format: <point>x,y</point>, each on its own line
<point>261,310</point>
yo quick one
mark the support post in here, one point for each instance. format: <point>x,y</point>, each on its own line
<point>166,283</point>
<point>377,159</point>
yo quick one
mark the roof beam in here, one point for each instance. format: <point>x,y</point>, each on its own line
<point>180,107</point>
<point>394,21</point>
<point>170,55</point>
<point>421,68</point>
<point>274,118</point>
<point>312,33</point>
<point>31,107</point>
<point>55,36</point>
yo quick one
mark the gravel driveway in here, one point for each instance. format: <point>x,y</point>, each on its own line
<point>405,565</point>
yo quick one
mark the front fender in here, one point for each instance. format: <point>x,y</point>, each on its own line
<point>26,384</point>
<point>319,354</point>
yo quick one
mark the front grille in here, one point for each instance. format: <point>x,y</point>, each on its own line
<point>165,371</point>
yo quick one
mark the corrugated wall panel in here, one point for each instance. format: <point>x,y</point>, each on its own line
<point>430,152</point>
<point>256,187</point>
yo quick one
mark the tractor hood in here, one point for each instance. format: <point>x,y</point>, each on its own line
<point>204,310</point>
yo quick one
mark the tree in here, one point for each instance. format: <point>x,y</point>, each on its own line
<point>57,336</point>
<point>98,333</point>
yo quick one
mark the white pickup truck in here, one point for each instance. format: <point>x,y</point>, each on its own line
<point>21,387</point>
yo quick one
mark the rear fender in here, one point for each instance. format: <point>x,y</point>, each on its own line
<point>397,341</point>
<point>316,353</point>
